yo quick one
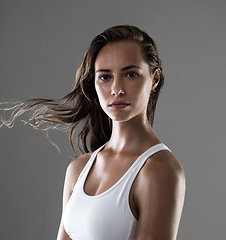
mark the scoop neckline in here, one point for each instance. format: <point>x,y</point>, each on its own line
<point>93,157</point>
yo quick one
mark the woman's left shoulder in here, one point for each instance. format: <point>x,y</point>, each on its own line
<point>160,181</point>
<point>163,165</point>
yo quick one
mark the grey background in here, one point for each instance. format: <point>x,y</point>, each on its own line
<point>41,46</point>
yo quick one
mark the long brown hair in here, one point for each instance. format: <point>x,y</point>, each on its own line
<point>81,106</point>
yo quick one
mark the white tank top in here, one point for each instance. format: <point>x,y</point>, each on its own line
<point>106,216</point>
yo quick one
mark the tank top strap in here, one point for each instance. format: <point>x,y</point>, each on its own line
<point>143,157</point>
<point>90,162</point>
<point>138,164</point>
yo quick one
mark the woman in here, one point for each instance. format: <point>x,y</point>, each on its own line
<point>130,186</point>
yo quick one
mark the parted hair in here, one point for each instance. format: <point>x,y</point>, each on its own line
<point>81,106</point>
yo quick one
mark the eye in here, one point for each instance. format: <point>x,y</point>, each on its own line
<point>104,77</point>
<point>132,74</point>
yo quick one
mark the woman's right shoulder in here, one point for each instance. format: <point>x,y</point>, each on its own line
<point>75,168</point>
<point>79,163</point>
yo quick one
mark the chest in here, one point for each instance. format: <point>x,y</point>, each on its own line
<point>106,171</point>
<point>99,206</point>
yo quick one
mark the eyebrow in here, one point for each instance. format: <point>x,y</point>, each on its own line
<point>123,69</point>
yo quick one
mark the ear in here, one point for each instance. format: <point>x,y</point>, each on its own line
<point>156,78</point>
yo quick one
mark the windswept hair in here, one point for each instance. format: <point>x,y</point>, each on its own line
<point>81,106</point>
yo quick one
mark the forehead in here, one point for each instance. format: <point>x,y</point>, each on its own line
<point>119,55</point>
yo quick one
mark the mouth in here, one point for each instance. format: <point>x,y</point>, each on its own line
<point>119,104</point>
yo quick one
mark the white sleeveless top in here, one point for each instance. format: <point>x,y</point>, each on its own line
<point>106,216</point>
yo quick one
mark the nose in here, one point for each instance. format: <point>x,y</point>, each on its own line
<point>117,88</point>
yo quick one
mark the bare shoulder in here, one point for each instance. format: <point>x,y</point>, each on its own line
<point>159,192</point>
<point>75,168</point>
<point>161,171</point>
<point>79,163</point>
<point>163,164</point>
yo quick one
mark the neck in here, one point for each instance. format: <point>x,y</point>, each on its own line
<point>134,134</point>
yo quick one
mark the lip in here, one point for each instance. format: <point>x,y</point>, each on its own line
<point>119,104</point>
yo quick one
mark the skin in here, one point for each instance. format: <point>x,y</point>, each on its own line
<point>157,194</point>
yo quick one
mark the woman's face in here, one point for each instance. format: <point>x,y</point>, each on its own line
<point>123,81</point>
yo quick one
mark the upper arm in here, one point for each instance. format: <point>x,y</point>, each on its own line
<point>159,198</point>
<point>71,176</point>
<point>69,182</point>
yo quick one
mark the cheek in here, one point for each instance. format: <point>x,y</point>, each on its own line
<point>98,91</point>
<point>101,94</point>
<point>142,90</point>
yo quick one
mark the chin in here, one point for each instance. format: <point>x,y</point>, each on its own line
<point>120,118</point>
